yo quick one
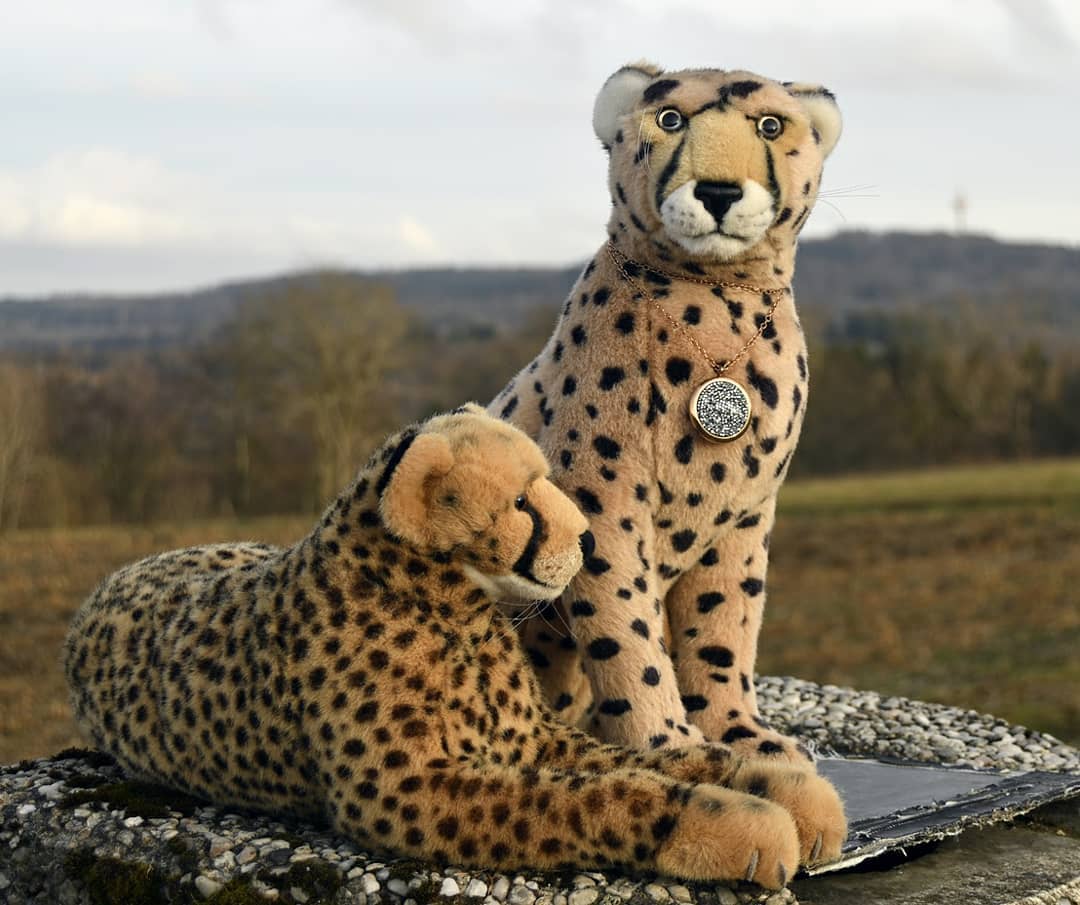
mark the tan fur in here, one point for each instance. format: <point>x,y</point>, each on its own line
<point>681,524</point>
<point>365,677</point>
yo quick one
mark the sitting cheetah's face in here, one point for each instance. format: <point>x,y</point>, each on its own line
<point>713,160</point>
<point>476,490</point>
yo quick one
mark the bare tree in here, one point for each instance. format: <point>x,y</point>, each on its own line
<point>325,348</point>
<point>20,427</point>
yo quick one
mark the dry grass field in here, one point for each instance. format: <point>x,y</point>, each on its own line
<point>953,585</point>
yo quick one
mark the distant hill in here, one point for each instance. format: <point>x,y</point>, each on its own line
<point>1035,287</point>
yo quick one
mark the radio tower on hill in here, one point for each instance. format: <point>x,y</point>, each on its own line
<point>960,209</point>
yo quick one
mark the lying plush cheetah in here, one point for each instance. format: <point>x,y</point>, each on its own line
<point>712,176</point>
<point>367,675</point>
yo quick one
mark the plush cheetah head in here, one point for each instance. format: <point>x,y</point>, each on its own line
<point>475,489</point>
<point>713,162</point>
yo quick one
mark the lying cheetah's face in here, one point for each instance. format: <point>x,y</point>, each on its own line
<point>476,489</point>
<point>713,160</point>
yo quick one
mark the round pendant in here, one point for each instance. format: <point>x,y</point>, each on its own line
<point>720,408</point>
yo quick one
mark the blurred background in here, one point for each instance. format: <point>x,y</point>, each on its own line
<point>240,240</point>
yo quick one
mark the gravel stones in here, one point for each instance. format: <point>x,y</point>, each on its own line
<point>202,849</point>
<point>852,722</point>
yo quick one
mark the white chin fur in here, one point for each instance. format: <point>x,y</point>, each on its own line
<point>512,587</point>
<point>688,223</point>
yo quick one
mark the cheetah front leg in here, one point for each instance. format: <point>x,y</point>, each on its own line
<point>811,801</point>
<point>615,614</point>
<point>506,818</point>
<point>715,611</point>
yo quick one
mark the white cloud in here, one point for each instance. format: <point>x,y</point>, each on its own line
<point>161,84</point>
<point>417,240</point>
<point>96,196</point>
<point>220,138</point>
<point>95,221</point>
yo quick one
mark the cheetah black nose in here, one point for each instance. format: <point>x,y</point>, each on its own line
<point>717,197</point>
<point>588,544</point>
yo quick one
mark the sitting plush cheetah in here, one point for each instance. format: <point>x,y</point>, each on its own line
<point>367,675</point>
<point>712,175</point>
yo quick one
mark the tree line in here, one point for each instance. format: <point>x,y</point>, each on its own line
<point>277,410</point>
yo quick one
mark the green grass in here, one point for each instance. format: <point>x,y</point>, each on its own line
<point>1053,483</point>
<point>959,585</point>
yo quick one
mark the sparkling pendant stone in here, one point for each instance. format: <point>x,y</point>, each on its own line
<point>720,408</point>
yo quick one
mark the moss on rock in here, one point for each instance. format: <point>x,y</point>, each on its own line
<point>109,880</point>
<point>136,798</point>
<point>238,891</point>
<point>319,880</point>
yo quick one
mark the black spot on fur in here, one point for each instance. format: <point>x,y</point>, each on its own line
<point>603,648</point>
<point>606,447</point>
<point>708,601</point>
<point>753,465</point>
<point>717,656</point>
<point>765,386</point>
<point>684,449</point>
<point>678,370</point>
<point>683,540</point>
<point>733,735</point>
<point>658,90</point>
<point>582,608</point>
<point>657,404</point>
<point>752,586</point>
<point>614,707</point>
<point>594,565</point>
<point>589,501</point>
<point>611,377</point>
<point>743,88</point>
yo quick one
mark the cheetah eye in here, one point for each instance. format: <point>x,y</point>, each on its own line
<point>669,119</point>
<point>770,126</point>
<point>520,502</point>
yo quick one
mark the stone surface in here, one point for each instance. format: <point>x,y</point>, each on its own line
<point>999,864</point>
<point>197,849</point>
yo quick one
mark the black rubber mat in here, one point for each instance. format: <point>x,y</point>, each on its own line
<point>894,805</point>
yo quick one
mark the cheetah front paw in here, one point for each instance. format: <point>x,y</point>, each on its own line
<point>765,743</point>
<point>812,801</point>
<point>726,835</point>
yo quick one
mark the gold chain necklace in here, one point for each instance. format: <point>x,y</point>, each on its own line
<point>720,407</point>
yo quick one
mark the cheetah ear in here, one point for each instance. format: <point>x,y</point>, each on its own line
<point>617,98</point>
<point>405,502</point>
<point>820,105</point>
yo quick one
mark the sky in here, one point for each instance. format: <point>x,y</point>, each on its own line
<point>169,144</point>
